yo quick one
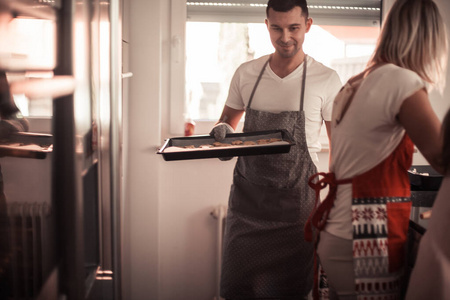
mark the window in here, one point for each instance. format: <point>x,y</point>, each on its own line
<point>221,35</point>
<point>33,47</point>
<point>30,53</point>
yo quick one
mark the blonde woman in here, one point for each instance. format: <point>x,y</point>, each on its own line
<point>377,118</point>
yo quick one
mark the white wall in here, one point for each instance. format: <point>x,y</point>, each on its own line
<point>169,242</point>
<point>169,236</point>
<point>141,215</point>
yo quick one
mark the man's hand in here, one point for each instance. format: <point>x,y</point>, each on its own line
<point>220,131</point>
<point>9,126</point>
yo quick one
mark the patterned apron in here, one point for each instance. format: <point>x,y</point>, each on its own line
<point>265,255</point>
<point>380,216</point>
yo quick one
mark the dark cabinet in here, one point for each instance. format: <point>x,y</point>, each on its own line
<point>61,201</point>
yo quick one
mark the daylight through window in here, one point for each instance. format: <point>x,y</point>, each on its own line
<point>215,49</point>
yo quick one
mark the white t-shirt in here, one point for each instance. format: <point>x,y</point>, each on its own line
<point>368,133</point>
<point>275,94</point>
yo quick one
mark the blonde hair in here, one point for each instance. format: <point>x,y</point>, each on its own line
<point>414,37</point>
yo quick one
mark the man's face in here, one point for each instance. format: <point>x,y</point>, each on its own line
<point>287,31</point>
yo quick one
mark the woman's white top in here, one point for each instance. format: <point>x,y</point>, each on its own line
<point>368,133</point>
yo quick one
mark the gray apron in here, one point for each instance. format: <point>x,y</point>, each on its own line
<point>265,255</point>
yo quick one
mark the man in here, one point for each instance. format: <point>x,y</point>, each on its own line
<point>265,255</point>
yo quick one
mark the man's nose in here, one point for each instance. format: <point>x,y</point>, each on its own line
<point>285,36</point>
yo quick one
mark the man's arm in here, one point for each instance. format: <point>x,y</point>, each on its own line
<point>328,127</point>
<point>230,116</point>
<point>334,85</point>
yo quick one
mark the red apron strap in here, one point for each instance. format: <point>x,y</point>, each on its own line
<point>318,217</point>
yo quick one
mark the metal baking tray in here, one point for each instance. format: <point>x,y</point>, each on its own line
<point>25,151</point>
<point>424,178</point>
<point>173,148</point>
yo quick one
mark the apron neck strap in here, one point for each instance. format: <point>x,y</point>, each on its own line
<point>302,93</point>
<point>257,82</point>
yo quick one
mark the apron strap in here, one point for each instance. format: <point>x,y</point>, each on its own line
<point>302,93</point>
<point>319,215</point>
<point>257,82</point>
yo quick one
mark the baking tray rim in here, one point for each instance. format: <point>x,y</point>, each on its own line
<point>229,151</point>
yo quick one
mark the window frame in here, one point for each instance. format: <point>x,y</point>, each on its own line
<point>179,17</point>
<point>177,67</point>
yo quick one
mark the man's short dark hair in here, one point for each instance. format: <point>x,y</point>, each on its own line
<point>287,5</point>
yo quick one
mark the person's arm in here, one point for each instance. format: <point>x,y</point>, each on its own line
<point>227,123</point>
<point>328,127</point>
<point>334,85</point>
<point>230,116</point>
<point>423,127</point>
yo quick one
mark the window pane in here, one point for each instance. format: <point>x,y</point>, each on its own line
<point>214,51</point>
<point>31,108</point>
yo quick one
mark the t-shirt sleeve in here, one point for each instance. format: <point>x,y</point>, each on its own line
<point>410,84</point>
<point>234,99</point>
<point>333,86</point>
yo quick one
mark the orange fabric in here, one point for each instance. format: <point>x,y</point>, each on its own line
<point>390,179</point>
<point>380,181</point>
<point>398,222</point>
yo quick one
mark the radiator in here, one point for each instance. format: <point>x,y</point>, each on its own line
<point>31,248</point>
<point>219,213</point>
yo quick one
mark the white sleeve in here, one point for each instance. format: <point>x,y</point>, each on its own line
<point>332,88</point>
<point>410,84</point>
<point>234,99</point>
